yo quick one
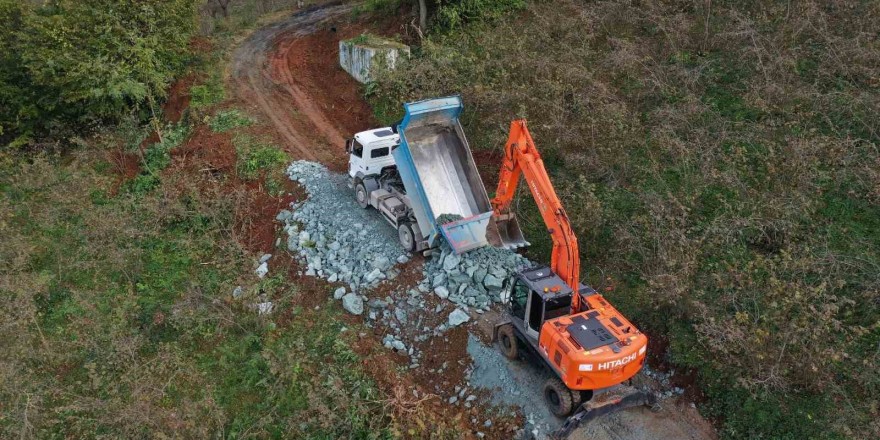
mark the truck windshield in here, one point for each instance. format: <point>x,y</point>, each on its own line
<point>557,307</point>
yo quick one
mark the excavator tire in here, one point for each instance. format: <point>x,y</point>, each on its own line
<point>361,195</point>
<point>558,397</point>
<point>577,398</point>
<point>507,341</point>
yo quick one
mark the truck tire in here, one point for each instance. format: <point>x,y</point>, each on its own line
<point>507,341</point>
<point>407,237</point>
<point>557,396</point>
<point>361,195</point>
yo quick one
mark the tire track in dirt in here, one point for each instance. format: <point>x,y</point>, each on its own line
<point>262,79</point>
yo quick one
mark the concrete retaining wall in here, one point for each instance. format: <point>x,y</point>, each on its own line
<point>359,56</point>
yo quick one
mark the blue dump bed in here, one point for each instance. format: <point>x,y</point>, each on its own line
<point>440,176</point>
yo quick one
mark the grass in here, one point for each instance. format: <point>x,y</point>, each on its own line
<point>255,158</point>
<point>119,320</point>
<point>724,177</point>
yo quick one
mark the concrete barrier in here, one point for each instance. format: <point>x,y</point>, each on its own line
<point>364,54</point>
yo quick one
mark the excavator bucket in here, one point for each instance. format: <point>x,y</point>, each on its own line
<point>506,228</point>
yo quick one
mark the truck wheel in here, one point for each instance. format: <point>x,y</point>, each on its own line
<point>507,341</point>
<point>558,397</point>
<point>407,237</point>
<point>360,194</point>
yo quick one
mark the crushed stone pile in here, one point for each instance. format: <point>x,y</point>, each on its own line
<point>473,279</point>
<point>337,239</point>
<point>517,384</point>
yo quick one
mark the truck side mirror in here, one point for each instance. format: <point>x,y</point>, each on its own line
<point>349,143</point>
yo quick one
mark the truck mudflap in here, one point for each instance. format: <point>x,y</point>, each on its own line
<point>468,233</point>
<point>611,401</point>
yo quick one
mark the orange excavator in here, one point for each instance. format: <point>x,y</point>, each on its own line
<point>587,343</point>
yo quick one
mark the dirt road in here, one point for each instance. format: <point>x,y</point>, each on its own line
<point>286,73</point>
<point>306,104</point>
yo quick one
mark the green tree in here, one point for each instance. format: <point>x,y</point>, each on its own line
<point>77,63</point>
<point>14,83</point>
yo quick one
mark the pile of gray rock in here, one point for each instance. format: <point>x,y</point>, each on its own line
<point>337,239</point>
<point>473,279</point>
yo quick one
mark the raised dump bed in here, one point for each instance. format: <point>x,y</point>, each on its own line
<point>438,170</point>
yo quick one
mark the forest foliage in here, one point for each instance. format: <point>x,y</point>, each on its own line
<point>72,65</point>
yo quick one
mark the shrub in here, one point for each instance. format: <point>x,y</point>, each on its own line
<point>255,158</point>
<point>69,65</point>
<point>226,120</point>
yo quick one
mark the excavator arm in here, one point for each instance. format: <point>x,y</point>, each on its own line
<point>608,349</point>
<point>521,158</point>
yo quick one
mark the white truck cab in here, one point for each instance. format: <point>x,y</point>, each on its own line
<point>370,151</point>
<point>376,182</point>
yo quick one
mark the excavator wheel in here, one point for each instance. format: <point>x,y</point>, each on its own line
<point>507,341</point>
<point>558,397</point>
<point>360,193</point>
<point>577,398</point>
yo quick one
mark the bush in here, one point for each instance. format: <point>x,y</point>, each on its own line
<point>226,120</point>
<point>256,158</point>
<point>70,65</point>
<point>455,14</point>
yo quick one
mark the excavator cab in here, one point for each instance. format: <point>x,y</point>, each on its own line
<point>536,295</point>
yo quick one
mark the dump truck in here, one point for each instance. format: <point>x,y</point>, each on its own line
<point>421,177</point>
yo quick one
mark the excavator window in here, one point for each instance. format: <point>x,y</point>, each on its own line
<point>519,298</point>
<point>557,307</point>
<point>536,311</point>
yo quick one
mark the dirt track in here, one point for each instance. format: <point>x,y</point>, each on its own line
<point>262,79</point>
<point>286,73</point>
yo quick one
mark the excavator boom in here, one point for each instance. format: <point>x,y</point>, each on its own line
<point>521,158</point>
<point>590,345</point>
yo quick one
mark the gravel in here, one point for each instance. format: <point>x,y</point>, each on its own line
<point>473,279</point>
<point>335,237</point>
<point>515,383</point>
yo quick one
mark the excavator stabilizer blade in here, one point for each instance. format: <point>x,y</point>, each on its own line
<point>611,401</point>
<point>508,233</point>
